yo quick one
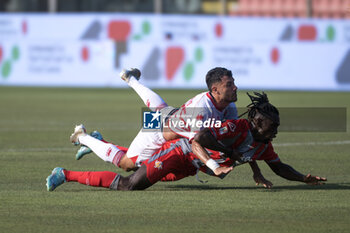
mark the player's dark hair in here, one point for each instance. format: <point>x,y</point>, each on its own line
<point>260,103</point>
<point>215,75</point>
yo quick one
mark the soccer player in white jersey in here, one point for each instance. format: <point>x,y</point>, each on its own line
<point>215,104</point>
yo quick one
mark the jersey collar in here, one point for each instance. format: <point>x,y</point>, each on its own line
<point>210,96</point>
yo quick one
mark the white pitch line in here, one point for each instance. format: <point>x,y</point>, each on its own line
<point>275,144</point>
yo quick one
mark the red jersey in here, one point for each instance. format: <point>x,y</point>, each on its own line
<point>237,135</point>
<point>175,160</point>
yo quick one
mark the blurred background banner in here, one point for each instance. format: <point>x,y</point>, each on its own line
<point>174,51</point>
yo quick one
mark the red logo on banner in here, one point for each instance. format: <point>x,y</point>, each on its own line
<point>85,55</point>
<point>1,53</point>
<point>218,30</point>
<point>174,57</point>
<point>24,27</point>
<point>119,30</point>
<point>307,33</point>
<point>275,55</point>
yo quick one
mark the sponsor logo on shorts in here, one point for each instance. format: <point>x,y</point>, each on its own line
<point>158,164</point>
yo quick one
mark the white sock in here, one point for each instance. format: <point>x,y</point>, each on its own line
<point>151,99</point>
<point>106,151</point>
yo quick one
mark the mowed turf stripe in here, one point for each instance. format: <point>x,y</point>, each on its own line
<point>311,143</point>
<point>37,149</point>
<point>275,145</point>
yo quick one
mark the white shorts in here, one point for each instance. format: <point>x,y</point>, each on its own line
<point>146,143</point>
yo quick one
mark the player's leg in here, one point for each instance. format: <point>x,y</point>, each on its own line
<point>106,179</point>
<point>128,164</point>
<point>136,181</point>
<point>106,151</point>
<point>151,99</point>
<point>168,159</point>
<point>84,150</point>
<point>142,148</point>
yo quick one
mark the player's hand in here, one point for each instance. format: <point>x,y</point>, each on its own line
<point>314,180</point>
<point>260,179</point>
<point>222,170</point>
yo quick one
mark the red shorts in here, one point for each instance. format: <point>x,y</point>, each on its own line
<point>171,162</point>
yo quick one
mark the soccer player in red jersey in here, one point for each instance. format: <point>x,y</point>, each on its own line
<point>241,140</point>
<point>251,139</point>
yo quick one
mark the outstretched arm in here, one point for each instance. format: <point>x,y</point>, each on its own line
<point>206,139</point>
<point>289,173</point>
<point>204,157</point>
<point>258,177</point>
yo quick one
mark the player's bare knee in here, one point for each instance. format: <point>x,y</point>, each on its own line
<point>128,167</point>
<point>126,164</point>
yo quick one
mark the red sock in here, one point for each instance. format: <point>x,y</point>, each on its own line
<point>98,179</point>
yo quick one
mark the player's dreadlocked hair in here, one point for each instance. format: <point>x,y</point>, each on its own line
<point>261,103</point>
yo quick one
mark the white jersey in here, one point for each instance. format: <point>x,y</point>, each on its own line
<point>199,112</point>
<point>201,107</point>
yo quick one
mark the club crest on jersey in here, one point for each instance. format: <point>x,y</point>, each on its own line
<point>158,164</point>
<point>231,126</point>
<point>223,130</point>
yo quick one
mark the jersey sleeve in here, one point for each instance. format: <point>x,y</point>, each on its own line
<point>270,156</point>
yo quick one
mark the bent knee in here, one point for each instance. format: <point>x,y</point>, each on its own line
<point>127,164</point>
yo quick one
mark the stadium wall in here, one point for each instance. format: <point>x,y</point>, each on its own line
<point>173,51</point>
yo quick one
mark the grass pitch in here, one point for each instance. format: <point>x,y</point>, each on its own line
<point>35,124</point>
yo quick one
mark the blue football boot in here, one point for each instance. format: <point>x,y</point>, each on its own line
<point>84,150</point>
<point>56,178</point>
